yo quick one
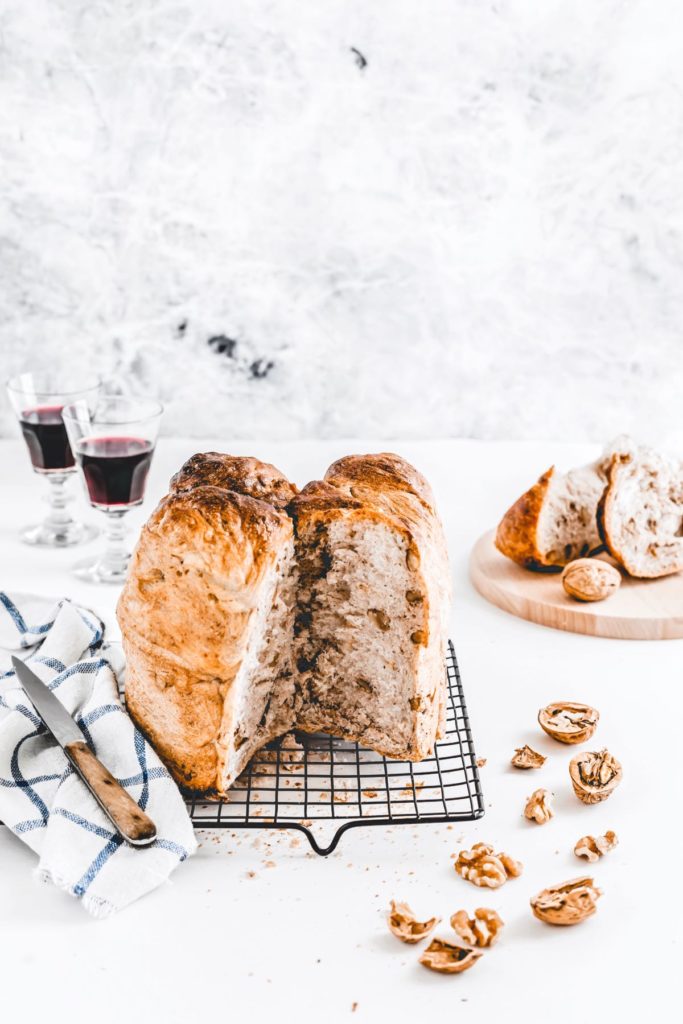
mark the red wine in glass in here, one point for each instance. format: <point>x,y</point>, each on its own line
<point>115,469</point>
<point>46,438</point>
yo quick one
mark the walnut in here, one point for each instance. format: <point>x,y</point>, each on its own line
<point>589,579</point>
<point>595,775</point>
<point>480,930</point>
<point>567,903</point>
<point>525,757</point>
<point>449,958</point>
<point>404,925</point>
<point>483,867</point>
<point>593,849</point>
<point>569,722</point>
<point>539,807</point>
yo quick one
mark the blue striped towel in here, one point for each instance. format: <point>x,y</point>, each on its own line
<point>41,799</point>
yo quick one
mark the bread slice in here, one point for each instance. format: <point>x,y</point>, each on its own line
<point>555,520</point>
<point>640,515</point>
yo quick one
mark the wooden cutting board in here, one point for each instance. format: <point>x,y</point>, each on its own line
<point>640,609</point>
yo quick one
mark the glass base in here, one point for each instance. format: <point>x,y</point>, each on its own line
<point>63,535</point>
<point>97,570</point>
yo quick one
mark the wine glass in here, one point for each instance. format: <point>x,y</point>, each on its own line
<point>38,399</point>
<point>113,445</point>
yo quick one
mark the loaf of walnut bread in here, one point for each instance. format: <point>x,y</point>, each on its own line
<point>251,609</point>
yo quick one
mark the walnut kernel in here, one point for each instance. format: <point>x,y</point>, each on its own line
<point>593,848</point>
<point>481,930</point>
<point>567,903</point>
<point>589,579</point>
<point>568,721</point>
<point>482,867</point>
<point>405,926</point>
<point>449,958</point>
<point>595,775</point>
<point>539,807</point>
<point>525,757</point>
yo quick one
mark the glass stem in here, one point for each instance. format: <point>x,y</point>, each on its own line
<point>58,517</point>
<point>115,557</point>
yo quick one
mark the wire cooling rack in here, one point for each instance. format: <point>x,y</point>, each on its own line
<point>328,782</point>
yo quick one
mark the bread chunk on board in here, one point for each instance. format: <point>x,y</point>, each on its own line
<point>640,514</point>
<point>251,609</point>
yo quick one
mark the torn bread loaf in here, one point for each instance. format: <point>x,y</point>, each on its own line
<point>250,609</point>
<point>555,520</point>
<point>372,605</point>
<point>640,515</point>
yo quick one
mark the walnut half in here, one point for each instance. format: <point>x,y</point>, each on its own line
<point>449,958</point>
<point>568,721</point>
<point>405,926</point>
<point>595,775</point>
<point>482,867</point>
<point>567,903</point>
<point>481,930</point>
<point>525,757</point>
<point>593,848</point>
<point>539,807</point>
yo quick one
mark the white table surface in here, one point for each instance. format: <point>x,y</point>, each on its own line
<point>307,938</point>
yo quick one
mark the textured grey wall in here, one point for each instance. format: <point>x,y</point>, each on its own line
<point>351,218</point>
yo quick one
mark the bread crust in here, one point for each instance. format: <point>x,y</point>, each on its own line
<point>517,533</point>
<point>242,474</point>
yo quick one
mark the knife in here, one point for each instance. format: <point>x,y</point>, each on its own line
<point>128,819</point>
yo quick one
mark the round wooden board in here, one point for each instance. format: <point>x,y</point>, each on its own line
<point>640,609</point>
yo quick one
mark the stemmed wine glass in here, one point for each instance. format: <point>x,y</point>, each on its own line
<point>38,400</point>
<point>113,445</point>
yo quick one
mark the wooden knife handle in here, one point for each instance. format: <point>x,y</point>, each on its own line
<point>123,812</point>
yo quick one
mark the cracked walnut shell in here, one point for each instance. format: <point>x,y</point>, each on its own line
<point>589,579</point>
<point>481,930</point>
<point>405,926</point>
<point>449,958</point>
<point>595,775</point>
<point>539,807</point>
<point>482,867</point>
<point>525,757</point>
<point>568,903</point>
<point>593,848</point>
<point>568,721</point>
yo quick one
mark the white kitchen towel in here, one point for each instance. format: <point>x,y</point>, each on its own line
<point>41,799</point>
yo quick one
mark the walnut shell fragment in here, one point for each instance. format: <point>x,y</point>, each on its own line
<point>539,807</point>
<point>481,930</point>
<point>482,867</point>
<point>590,579</point>
<point>595,775</point>
<point>526,757</point>
<point>405,926</point>
<point>593,848</point>
<point>449,958</point>
<point>568,721</point>
<point>568,903</point>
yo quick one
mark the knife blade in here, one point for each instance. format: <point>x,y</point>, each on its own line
<point>132,824</point>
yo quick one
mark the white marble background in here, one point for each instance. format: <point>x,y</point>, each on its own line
<point>444,217</point>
